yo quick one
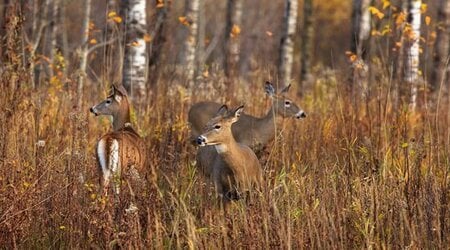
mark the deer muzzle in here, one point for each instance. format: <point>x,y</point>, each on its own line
<point>92,109</point>
<point>300,115</point>
<point>201,141</point>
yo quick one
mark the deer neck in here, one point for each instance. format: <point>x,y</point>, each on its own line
<point>121,117</point>
<point>268,121</point>
<point>231,153</point>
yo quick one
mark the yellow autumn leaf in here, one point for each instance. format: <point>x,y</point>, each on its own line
<point>112,14</point>
<point>398,44</point>
<point>91,25</point>
<point>235,31</point>
<point>400,19</point>
<point>423,7</point>
<point>147,38</point>
<point>376,12</point>
<point>93,41</point>
<point>375,33</point>
<point>427,20</point>
<point>117,19</point>
<point>205,74</point>
<point>386,3</point>
<point>159,3</point>
<point>135,44</point>
<point>184,20</point>
<point>62,227</point>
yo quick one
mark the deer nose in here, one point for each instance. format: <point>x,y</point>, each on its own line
<point>93,111</point>
<point>201,141</point>
<point>300,114</point>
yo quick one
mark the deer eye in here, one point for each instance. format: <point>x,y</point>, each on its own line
<point>287,103</point>
<point>217,126</point>
<point>108,101</point>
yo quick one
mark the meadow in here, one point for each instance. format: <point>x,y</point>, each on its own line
<point>358,172</point>
<point>363,170</point>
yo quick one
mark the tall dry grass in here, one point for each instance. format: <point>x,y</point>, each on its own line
<point>362,171</point>
<point>357,173</point>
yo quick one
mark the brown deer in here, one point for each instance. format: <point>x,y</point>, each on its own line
<point>249,130</point>
<point>122,149</point>
<point>235,167</point>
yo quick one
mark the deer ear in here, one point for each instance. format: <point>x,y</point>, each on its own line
<point>270,90</point>
<point>237,113</point>
<point>286,89</point>
<point>119,90</point>
<point>223,110</point>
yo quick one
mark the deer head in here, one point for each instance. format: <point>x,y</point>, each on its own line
<point>115,105</point>
<point>218,129</point>
<point>283,105</point>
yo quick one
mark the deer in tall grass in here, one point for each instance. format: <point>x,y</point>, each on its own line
<point>235,167</point>
<point>252,131</point>
<point>123,148</point>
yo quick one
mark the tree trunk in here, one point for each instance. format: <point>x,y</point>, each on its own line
<point>287,42</point>
<point>54,38</point>
<point>134,73</point>
<point>360,27</point>
<point>158,36</point>
<point>64,37</point>
<point>359,44</point>
<point>412,37</point>
<point>232,34</point>
<point>201,39</point>
<point>84,52</point>
<point>112,50</point>
<point>190,43</point>
<point>441,54</point>
<point>307,45</point>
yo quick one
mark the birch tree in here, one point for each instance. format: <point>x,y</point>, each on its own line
<point>307,43</point>
<point>360,27</point>
<point>190,42</point>
<point>441,53</point>
<point>287,42</point>
<point>232,34</point>
<point>412,37</point>
<point>134,72</point>
<point>84,51</point>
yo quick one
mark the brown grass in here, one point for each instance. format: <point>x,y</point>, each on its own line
<point>356,173</point>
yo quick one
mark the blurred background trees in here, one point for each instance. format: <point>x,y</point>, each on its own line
<point>409,39</point>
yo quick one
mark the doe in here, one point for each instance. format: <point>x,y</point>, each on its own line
<point>121,149</point>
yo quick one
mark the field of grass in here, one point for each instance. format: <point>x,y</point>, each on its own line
<point>358,172</point>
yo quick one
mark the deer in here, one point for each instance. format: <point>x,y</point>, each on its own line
<point>254,132</point>
<point>234,168</point>
<point>121,149</point>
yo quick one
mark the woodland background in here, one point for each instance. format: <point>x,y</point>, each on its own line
<point>368,167</point>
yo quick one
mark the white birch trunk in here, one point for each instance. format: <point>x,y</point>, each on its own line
<point>84,51</point>
<point>134,72</point>
<point>287,42</point>
<point>411,76</point>
<point>232,41</point>
<point>190,42</point>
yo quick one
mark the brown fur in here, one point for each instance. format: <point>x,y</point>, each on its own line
<point>236,168</point>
